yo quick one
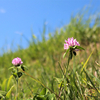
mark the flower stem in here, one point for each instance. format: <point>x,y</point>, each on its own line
<point>17,86</point>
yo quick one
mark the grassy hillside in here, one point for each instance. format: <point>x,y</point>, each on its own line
<point>43,57</point>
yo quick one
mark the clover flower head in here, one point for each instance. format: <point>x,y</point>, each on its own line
<point>71,42</point>
<point>17,61</point>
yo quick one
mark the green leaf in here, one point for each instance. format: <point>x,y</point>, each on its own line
<point>51,97</point>
<point>43,92</point>
<point>14,70</point>
<point>23,67</point>
<point>60,82</point>
<point>4,84</point>
<point>66,53</point>
<point>19,67</point>
<point>79,47</point>
<point>9,81</point>
<point>9,92</point>
<point>15,75</point>
<point>34,98</point>
<point>19,74</point>
<point>12,67</point>
<point>41,98</point>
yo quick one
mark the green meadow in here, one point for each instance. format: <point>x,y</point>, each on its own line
<point>47,75</point>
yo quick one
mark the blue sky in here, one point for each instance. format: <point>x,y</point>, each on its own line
<point>21,16</point>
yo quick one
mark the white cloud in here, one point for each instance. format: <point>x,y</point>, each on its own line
<point>2,11</point>
<point>17,32</point>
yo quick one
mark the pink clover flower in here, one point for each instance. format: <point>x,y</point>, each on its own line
<point>17,61</point>
<point>71,42</point>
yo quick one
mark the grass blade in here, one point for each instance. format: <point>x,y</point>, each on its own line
<point>84,66</point>
<point>90,81</point>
